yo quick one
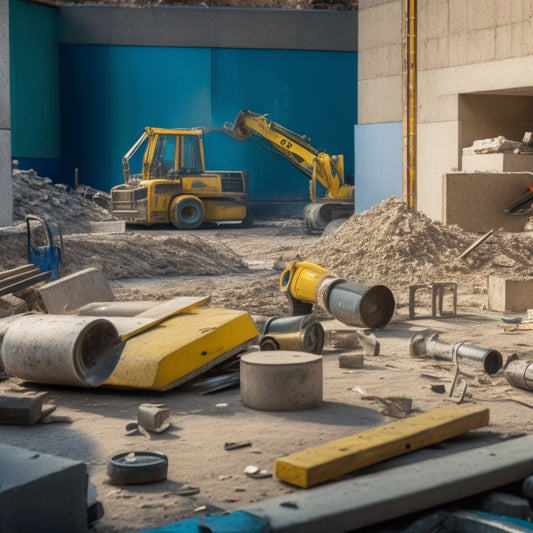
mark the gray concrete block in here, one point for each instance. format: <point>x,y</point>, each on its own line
<point>68,294</point>
<point>111,226</point>
<point>222,28</point>
<point>510,295</point>
<point>6,180</point>
<point>40,492</point>
<point>352,360</point>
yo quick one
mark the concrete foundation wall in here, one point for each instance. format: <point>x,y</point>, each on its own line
<point>477,201</point>
<point>6,187</point>
<point>380,62</point>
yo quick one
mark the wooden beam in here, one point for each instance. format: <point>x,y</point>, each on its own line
<point>322,463</point>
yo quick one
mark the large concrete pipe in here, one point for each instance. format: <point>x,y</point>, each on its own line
<point>61,349</point>
<point>306,283</point>
<point>428,343</point>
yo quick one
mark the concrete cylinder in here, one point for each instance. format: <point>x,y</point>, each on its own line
<point>61,349</point>
<point>281,380</point>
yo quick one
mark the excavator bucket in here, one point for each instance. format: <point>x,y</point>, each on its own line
<point>238,130</point>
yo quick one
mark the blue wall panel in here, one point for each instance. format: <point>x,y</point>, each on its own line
<point>309,92</point>
<point>378,163</point>
<point>110,93</point>
<point>34,83</point>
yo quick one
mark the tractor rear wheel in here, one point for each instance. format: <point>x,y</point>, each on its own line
<point>186,212</point>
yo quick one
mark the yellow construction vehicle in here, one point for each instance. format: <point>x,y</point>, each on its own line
<point>318,166</point>
<point>174,186</point>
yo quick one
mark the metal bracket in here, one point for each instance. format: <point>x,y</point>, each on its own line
<point>438,291</point>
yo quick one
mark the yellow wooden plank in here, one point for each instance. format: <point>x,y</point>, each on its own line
<point>312,466</point>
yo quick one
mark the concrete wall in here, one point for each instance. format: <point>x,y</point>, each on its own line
<point>475,59</point>
<point>6,188</point>
<point>474,81</point>
<point>378,135</point>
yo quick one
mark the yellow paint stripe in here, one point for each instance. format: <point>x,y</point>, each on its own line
<point>322,463</point>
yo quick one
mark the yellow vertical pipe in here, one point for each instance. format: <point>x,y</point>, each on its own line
<point>410,104</point>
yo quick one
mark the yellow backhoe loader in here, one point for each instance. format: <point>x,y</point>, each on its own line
<point>174,186</point>
<point>318,166</point>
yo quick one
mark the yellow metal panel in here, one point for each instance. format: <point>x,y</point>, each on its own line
<point>181,348</point>
<point>217,211</point>
<point>323,463</point>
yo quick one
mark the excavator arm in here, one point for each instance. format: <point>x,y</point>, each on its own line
<point>317,166</point>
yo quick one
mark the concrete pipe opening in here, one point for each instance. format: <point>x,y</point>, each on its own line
<point>356,305</point>
<point>61,350</point>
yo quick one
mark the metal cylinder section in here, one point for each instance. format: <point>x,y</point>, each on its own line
<point>356,305</point>
<point>61,349</point>
<point>281,380</point>
<point>300,333</point>
<point>428,343</point>
<point>519,373</point>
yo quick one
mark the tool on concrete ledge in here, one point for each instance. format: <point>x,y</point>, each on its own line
<point>427,343</point>
<point>45,245</point>
<point>306,283</point>
<point>522,206</point>
<point>519,373</point>
<point>301,333</point>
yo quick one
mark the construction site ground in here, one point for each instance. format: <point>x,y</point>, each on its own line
<point>90,424</point>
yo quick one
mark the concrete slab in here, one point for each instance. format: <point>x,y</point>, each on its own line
<point>504,162</point>
<point>355,503</point>
<point>510,295</point>
<point>40,492</point>
<point>112,226</point>
<point>491,193</point>
<point>66,295</point>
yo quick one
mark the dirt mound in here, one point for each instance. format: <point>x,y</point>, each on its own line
<point>394,246</point>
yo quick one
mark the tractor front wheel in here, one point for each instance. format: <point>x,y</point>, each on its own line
<point>186,212</point>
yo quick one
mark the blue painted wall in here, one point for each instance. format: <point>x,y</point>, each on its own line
<point>34,79</point>
<point>378,163</point>
<point>109,93</point>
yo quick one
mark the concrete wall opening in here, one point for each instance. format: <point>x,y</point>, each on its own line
<point>485,116</point>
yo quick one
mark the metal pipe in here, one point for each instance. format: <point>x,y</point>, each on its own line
<point>353,304</point>
<point>519,373</point>
<point>61,349</point>
<point>428,343</point>
<point>297,333</point>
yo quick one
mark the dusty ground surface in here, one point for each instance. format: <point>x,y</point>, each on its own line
<point>240,270</point>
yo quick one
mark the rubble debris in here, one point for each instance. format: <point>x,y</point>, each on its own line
<point>236,445</point>
<point>256,473</point>
<point>188,491</point>
<point>22,408</point>
<point>11,305</point>
<point>497,145</point>
<point>154,417</point>
<point>316,465</point>
<point>351,360</point>
<point>41,197</point>
<point>137,468</point>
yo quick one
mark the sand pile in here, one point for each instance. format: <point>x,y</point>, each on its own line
<point>392,245</point>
